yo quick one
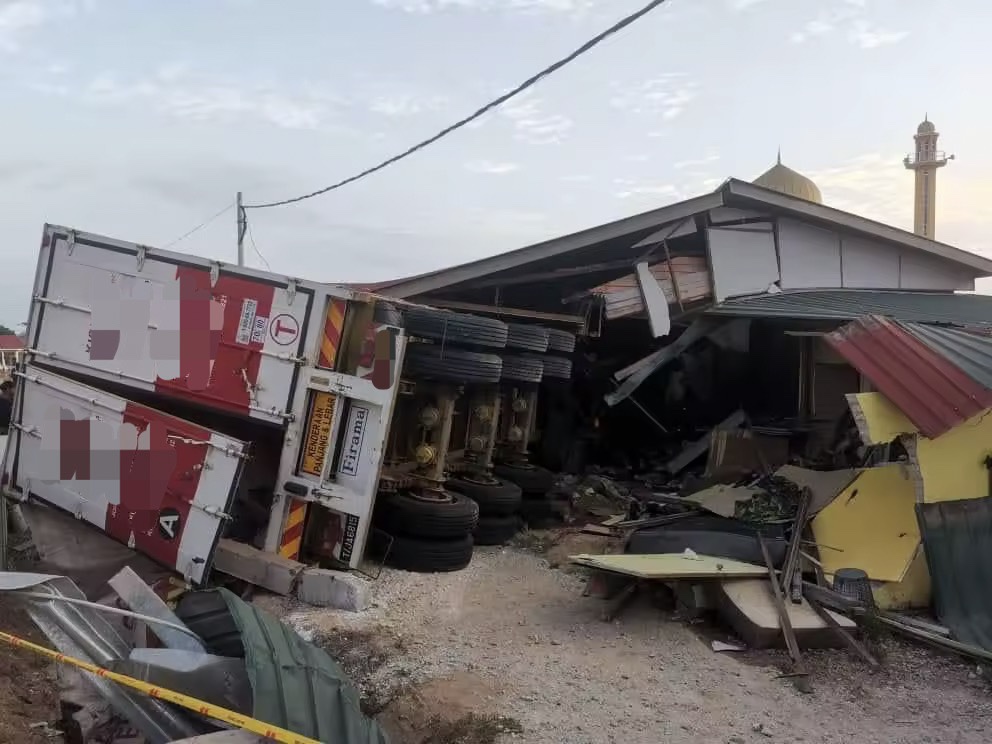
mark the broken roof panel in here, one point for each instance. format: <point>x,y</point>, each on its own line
<point>848,304</point>
<point>928,387</point>
<point>968,351</point>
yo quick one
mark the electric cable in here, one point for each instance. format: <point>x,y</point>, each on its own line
<point>202,225</point>
<point>534,79</point>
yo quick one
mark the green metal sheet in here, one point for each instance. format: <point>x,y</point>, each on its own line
<point>957,537</point>
<point>847,304</point>
<point>297,685</point>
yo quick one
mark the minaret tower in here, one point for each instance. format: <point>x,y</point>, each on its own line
<point>925,161</point>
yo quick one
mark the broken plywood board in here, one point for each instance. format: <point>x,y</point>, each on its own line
<point>663,566</point>
<point>749,608</point>
<point>871,525</point>
<point>825,484</point>
<point>722,499</point>
<point>699,448</point>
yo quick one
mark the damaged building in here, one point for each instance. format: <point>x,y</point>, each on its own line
<point>760,311</point>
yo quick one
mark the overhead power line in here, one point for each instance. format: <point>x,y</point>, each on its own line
<point>202,225</point>
<point>618,26</point>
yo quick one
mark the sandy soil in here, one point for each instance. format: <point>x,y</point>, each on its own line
<point>27,683</point>
<point>511,637</point>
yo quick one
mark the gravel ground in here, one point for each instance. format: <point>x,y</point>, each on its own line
<point>539,653</point>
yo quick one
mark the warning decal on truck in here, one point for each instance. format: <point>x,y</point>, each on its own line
<point>318,433</point>
<point>249,308</point>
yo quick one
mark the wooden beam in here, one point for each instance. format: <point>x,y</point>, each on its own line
<point>512,312</point>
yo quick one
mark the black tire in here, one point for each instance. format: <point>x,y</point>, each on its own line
<point>427,556</point>
<point>522,369</point>
<point>445,364</point>
<point>562,341</point>
<point>557,368</point>
<point>494,499</point>
<point>455,328</point>
<point>527,337</point>
<point>404,514</point>
<point>530,478</point>
<point>496,530</point>
<point>206,614</point>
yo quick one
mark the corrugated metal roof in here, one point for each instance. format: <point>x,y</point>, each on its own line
<point>933,393</point>
<point>848,304</point>
<point>957,538</point>
<point>297,685</point>
<point>10,342</point>
<point>968,351</point>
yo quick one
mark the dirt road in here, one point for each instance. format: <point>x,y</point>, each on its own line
<point>509,636</point>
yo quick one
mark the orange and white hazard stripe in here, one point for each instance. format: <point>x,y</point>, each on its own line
<point>330,341</point>
<point>292,532</point>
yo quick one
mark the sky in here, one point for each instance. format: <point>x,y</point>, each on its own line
<point>141,120</point>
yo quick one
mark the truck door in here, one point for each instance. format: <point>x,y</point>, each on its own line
<point>159,484</point>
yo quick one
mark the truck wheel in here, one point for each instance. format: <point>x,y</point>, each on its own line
<point>455,328</point>
<point>405,514</point>
<point>522,369</point>
<point>428,362</point>
<point>527,337</point>
<point>561,341</point>
<point>496,530</point>
<point>428,556</point>
<point>530,478</point>
<point>206,614</point>
<point>495,498</point>
<point>557,367</point>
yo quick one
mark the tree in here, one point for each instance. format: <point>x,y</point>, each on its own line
<point>5,331</point>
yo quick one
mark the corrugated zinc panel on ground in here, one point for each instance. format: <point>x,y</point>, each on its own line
<point>933,393</point>
<point>297,685</point>
<point>847,304</point>
<point>957,537</point>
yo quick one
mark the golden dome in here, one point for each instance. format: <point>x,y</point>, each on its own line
<point>926,127</point>
<point>785,180</point>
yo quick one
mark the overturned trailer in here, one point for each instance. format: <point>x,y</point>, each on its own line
<point>191,409</point>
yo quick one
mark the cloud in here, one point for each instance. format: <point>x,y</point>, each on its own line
<point>19,17</point>
<point>173,91</point>
<point>743,4</point>
<point>491,167</point>
<point>666,96</point>
<point>848,16</point>
<point>406,104</point>
<point>532,124</point>
<point>630,188</point>
<point>708,159</point>
<point>868,37</point>
<point>577,178</point>
<point>424,7</point>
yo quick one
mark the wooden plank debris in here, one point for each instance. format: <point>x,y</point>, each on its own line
<point>662,566</point>
<point>848,639</point>
<point>800,674</point>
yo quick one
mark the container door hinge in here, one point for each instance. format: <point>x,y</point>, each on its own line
<point>142,254</point>
<point>70,242</point>
<point>214,273</point>
<point>290,291</point>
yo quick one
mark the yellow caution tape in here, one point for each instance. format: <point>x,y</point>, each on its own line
<point>267,730</point>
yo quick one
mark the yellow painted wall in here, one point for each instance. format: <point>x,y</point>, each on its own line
<point>950,466</point>
<point>871,525</point>
<point>912,592</point>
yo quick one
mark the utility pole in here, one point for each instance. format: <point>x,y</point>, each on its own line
<point>242,228</point>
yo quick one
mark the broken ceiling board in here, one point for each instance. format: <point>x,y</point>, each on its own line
<point>825,484</point>
<point>871,525</point>
<point>722,499</point>
<point>663,566</point>
<point>877,418</point>
<point>654,300</point>
<point>749,608</point>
